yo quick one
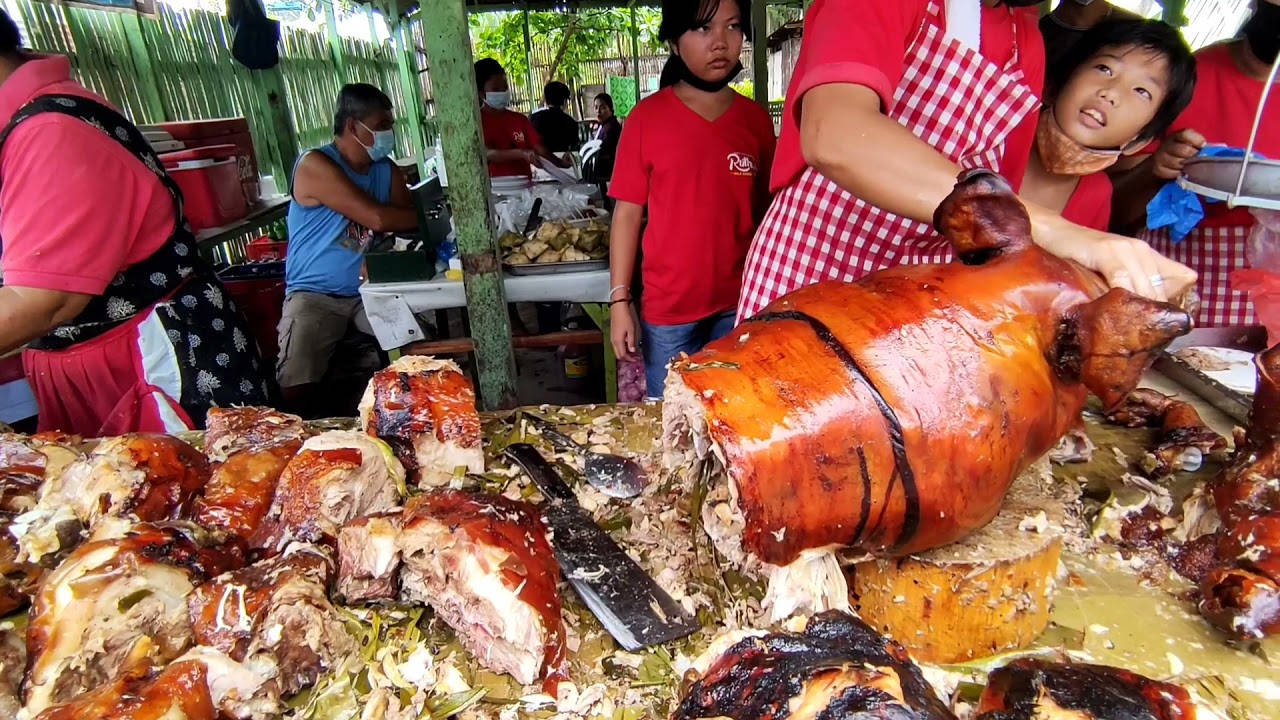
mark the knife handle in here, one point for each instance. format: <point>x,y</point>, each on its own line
<point>548,430</point>
<point>541,472</point>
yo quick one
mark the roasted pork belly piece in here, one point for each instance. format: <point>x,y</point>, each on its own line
<point>277,607</point>
<point>369,559</point>
<point>837,668</point>
<point>26,461</point>
<point>13,660</point>
<point>484,564</point>
<point>890,415</point>
<point>246,690</point>
<point>425,409</point>
<point>1030,689</point>
<point>336,477</point>
<point>242,488</point>
<point>133,477</point>
<point>179,692</point>
<point>117,605</point>
<point>1184,440</point>
<point>231,430</point>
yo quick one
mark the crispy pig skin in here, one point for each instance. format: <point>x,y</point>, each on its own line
<point>1027,689</point>
<point>425,409</point>
<point>838,667</point>
<point>1181,428</point>
<point>241,489</point>
<point>272,607</point>
<point>117,605</point>
<point>179,692</point>
<point>231,430</point>
<point>890,415</point>
<point>1240,594</point>
<point>440,524</point>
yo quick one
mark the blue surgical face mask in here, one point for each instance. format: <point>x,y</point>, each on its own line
<point>498,100</point>
<point>384,142</point>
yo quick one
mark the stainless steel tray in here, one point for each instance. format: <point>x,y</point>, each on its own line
<point>557,268</point>
<point>1232,402</point>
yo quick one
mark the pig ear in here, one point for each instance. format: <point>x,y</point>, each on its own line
<point>982,218</point>
<point>1108,343</point>
<point>1264,416</point>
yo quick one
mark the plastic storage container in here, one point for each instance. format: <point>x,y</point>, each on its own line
<point>222,131</point>
<point>210,181</point>
<point>258,290</point>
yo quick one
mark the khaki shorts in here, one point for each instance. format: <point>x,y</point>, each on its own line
<point>311,327</point>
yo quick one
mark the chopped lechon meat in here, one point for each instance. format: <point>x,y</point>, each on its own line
<point>26,462</point>
<point>369,559</point>
<point>484,564</point>
<point>1184,440</point>
<point>242,487</point>
<point>277,607</point>
<point>426,410</point>
<point>135,477</point>
<point>179,692</point>
<point>1030,689</point>
<point>837,668</point>
<point>247,690</point>
<point>13,659</point>
<point>1074,447</point>
<point>336,477</point>
<point>231,430</point>
<point>117,605</point>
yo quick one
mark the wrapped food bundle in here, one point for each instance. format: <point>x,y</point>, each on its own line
<point>558,241</point>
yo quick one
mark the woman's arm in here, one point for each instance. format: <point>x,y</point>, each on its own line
<point>845,136</point>
<point>542,150</point>
<point>624,243</point>
<point>28,313</point>
<point>1136,185</point>
<point>498,156</point>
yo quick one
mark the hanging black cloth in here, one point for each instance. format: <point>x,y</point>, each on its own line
<point>255,38</point>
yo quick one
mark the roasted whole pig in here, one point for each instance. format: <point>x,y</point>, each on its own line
<point>113,606</point>
<point>277,607</point>
<point>1184,439</point>
<point>890,415</point>
<point>179,692</point>
<point>1030,689</point>
<point>336,477</point>
<point>425,409</point>
<point>131,477</point>
<point>1240,594</point>
<point>837,668</point>
<point>242,488</point>
<point>232,430</point>
<point>483,563</point>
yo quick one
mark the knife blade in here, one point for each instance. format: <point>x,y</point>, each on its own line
<point>629,604</point>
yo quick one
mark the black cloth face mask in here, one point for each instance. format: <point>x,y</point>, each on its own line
<point>1262,31</point>
<point>677,69</point>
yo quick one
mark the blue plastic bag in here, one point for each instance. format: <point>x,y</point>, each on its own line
<point>1179,209</point>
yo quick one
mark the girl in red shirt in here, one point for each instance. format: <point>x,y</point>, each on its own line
<point>511,145</point>
<point>1119,87</point>
<point>696,154</point>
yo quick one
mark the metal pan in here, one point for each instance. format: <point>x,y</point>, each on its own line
<point>557,267</point>
<point>1230,401</point>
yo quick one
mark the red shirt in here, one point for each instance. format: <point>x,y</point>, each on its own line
<point>865,42</point>
<point>703,184</point>
<point>1222,110</point>
<point>75,206</point>
<point>508,130</point>
<point>1090,203</point>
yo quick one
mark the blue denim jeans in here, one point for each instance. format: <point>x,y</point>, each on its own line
<point>662,343</point>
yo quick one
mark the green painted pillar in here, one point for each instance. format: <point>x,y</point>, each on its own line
<point>1174,12</point>
<point>760,50</point>
<point>635,49</point>
<point>335,41</point>
<point>458,120</point>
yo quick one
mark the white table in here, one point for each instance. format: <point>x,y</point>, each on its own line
<point>391,306</point>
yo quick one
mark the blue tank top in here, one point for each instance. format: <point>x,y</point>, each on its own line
<point>326,248</point>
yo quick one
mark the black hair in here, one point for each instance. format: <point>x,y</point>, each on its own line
<point>607,99</point>
<point>681,16</point>
<point>358,101</point>
<point>555,94</point>
<point>10,38</point>
<point>487,68</point>
<point>1151,35</point>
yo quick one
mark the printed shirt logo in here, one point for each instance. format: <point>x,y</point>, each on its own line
<point>742,164</point>
<point>517,137</point>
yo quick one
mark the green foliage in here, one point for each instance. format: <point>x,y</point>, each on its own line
<point>745,87</point>
<point>574,38</point>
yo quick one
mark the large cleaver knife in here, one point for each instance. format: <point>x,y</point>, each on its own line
<point>630,605</point>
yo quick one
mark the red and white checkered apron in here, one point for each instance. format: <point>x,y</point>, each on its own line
<point>1213,252</point>
<point>950,96</point>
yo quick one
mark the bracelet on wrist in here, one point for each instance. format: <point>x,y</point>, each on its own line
<point>616,289</point>
<point>619,300</point>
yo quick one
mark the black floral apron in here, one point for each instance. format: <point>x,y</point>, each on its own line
<point>219,360</point>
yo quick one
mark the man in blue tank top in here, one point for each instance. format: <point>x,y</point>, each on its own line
<point>343,193</point>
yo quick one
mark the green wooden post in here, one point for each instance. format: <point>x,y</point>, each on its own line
<point>458,121</point>
<point>412,91</point>
<point>1173,12</point>
<point>760,51</point>
<point>140,53</point>
<point>531,86</point>
<point>635,49</point>
<point>271,84</point>
<point>335,42</point>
